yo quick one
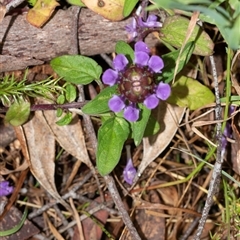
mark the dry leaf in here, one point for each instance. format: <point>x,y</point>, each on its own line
<point>41,12</point>
<point>169,117</point>
<point>110,9</point>
<point>52,228</point>
<point>235,147</point>
<point>2,12</point>
<point>235,72</point>
<point>70,137</point>
<point>149,221</point>
<point>38,147</point>
<point>20,168</point>
<point>170,197</point>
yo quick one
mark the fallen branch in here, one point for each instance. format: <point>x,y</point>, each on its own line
<point>23,45</point>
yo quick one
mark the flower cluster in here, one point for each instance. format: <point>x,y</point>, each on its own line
<point>5,189</point>
<point>139,28</point>
<point>136,82</point>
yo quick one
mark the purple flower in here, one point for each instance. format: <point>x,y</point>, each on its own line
<point>227,133</point>
<point>5,189</point>
<point>139,28</point>
<point>129,171</point>
<point>136,82</point>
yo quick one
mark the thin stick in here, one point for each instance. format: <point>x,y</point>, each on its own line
<point>13,4</point>
<point>66,196</point>
<point>117,200</point>
<point>215,181</point>
<point>64,220</point>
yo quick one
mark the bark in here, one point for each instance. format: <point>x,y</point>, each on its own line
<point>23,45</point>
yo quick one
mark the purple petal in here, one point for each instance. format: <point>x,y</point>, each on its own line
<point>116,103</point>
<point>152,21</point>
<point>4,184</point>
<point>5,189</point>
<point>130,28</point>
<point>226,134</point>
<point>151,18</point>
<point>129,172</point>
<point>163,91</point>
<point>231,110</point>
<point>120,62</point>
<point>140,22</point>
<point>141,46</point>
<point>151,101</point>
<point>155,63</point>
<point>110,77</point>
<point>131,113</point>
<point>141,58</point>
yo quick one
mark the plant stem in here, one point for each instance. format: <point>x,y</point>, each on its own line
<point>41,107</point>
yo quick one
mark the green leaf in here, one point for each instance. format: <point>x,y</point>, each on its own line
<point>214,13</point>
<point>128,7</point>
<point>71,92</point>
<point>100,103</point>
<point>32,2</point>
<point>76,69</point>
<point>59,112</point>
<point>174,32</point>
<point>18,113</point>
<point>152,127</point>
<point>111,137</point>
<point>61,99</point>
<point>123,48</point>
<point>170,62</point>
<point>65,120</point>
<point>138,127</point>
<point>187,92</point>
<point>76,3</point>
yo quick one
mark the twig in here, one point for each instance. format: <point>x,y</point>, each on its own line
<point>215,181</point>
<point>107,59</point>
<point>71,224</point>
<point>117,200</point>
<point>91,134</point>
<point>13,4</point>
<point>190,229</point>
<point>87,122</point>
<point>66,196</point>
<point>64,220</point>
<point>100,205</point>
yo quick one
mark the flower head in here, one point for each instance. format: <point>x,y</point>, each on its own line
<point>136,82</point>
<point>5,189</point>
<point>129,171</point>
<point>139,28</point>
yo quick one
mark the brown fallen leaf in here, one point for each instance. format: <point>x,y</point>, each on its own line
<point>235,153</point>
<point>41,12</point>
<point>90,228</point>
<point>149,221</point>
<point>169,117</point>
<point>2,11</point>
<point>38,147</point>
<point>70,137</point>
